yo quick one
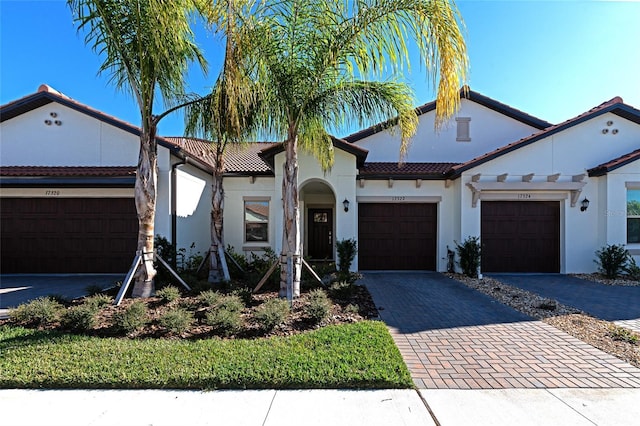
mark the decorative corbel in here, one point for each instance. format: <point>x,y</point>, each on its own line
<point>502,177</point>
<point>527,178</point>
<point>578,178</point>
<point>553,178</point>
<point>390,183</point>
<point>575,195</point>
<point>475,195</point>
<point>361,182</point>
<point>418,183</point>
<point>476,177</point>
<point>252,179</point>
<point>448,183</point>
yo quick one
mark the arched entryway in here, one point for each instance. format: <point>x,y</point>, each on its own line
<point>318,202</point>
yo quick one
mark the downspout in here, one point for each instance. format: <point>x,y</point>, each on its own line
<point>174,209</point>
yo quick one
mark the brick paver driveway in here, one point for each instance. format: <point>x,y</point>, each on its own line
<point>612,303</point>
<point>453,337</point>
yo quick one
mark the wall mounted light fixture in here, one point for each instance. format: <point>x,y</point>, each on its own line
<point>346,203</point>
<point>584,204</point>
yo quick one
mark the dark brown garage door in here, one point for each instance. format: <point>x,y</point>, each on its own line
<point>58,235</point>
<point>397,236</point>
<point>520,236</point>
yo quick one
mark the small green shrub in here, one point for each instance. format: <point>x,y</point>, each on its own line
<point>342,289</point>
<point>98,300</point>
<point>272,313</point>
<point>245,294</point>
<point>80,318</point>
<point>347,250</point>
<point>319,306</point>
<point>622,334</point>
<point>176,320</point>
<point>230,302</point>
<point>352,309</point>
<point>469,254</point>
<point>132,318</point>
<point>209,298</point>
<point>633,269</point>
<point>612,260</point>
<point>224,321</point>
<point>168,294</point>
<point>40,311</point>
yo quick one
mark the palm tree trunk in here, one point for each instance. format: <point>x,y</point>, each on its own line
<point>145,199</point>
<point>291,236</point>
<point>217,209</point>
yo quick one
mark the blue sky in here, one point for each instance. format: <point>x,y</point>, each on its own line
<point>551,59</point>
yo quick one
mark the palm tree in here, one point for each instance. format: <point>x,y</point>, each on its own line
<point>315,57</point>
<point>225,115</point>
<point>147,46</point>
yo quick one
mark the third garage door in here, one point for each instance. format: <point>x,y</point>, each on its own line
<point>520,236</point>
<point>397,236</point>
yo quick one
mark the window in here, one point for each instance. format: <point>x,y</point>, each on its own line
<point>633,215</point>
<point>463,134</point>
<point>256,221</point>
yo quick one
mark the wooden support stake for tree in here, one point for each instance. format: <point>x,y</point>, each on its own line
<point>127,281</point>
<point>223,263</point>
<point>171,271</point>
<point>313,273</point>
<point>234,262</point>
<point>204,260</point>
<point>290,278</point>
<point>266,276</point>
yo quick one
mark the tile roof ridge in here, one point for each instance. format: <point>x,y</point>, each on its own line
<point>46,88</point>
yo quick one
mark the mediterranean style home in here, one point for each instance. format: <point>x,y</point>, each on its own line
<point>541,197</point>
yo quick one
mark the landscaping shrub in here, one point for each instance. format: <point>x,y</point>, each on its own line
<point>209,298</point>
<point>176,320</point>
<point>98,301</point>
<point>168,294</point>
<point>347,250</point>
<point>80,318</point>
<point>622,334</point>
<point>244,294</point>
<point>612,260</point>
<point>319,306</point>
<point>93,289</point>
<point>230,302</point>
<point>40,311</point>
<point>133,318</point>
<point>352,309</point>
<point>633,269</point>
<point>224,321</point>
<point>469,254</point>
<point>342,289</point>
<point>272,313</point>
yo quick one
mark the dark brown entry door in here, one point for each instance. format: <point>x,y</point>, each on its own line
<point>58,235</point>
<point>520,236</point>
<point>397,236</point>
<point>320,236</point>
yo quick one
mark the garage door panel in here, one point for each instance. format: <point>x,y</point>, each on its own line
<point>520,236</point>
<point>60,235</point>
<point>396,236</point>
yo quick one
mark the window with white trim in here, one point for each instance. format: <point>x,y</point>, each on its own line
<point>633,216</point>
<point>462,132</point>
<point>256,221</point>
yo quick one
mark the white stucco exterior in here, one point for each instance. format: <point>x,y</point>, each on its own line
<point>509,157</point>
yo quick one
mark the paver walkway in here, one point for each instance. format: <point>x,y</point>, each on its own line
<point>612,303</point>
<point>453,337</point>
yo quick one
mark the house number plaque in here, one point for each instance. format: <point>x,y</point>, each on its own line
<point>398,198</point>
<point>52,193</point>
<point>524,196</point>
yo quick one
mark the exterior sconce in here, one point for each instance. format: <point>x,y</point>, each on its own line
<point>345,203</point>
<point>584,204</point>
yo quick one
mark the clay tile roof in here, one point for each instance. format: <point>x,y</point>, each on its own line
<point>241,159</point>
<point>406,170</point>
<point>258,209</point>
<point>614,105</point>
<point>63,171</point>
<point>604,168</point>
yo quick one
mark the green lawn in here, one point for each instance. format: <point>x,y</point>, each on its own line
<point>360,355</point>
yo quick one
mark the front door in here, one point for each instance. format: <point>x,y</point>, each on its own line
<point>320,236</point>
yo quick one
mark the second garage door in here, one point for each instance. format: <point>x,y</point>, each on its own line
<point>520,236</point>
<point>58,235</point>
<point>397,236</point>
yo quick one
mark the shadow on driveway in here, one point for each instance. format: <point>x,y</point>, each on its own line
<point>17,289</point>
<point>417,301</point>
<point>611,303</point>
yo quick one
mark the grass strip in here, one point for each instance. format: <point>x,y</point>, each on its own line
<point>360,355</point>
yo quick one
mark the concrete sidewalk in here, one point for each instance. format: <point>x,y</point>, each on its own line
<point>524,407</point>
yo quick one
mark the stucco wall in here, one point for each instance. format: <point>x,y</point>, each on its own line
<point>488,130</point>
